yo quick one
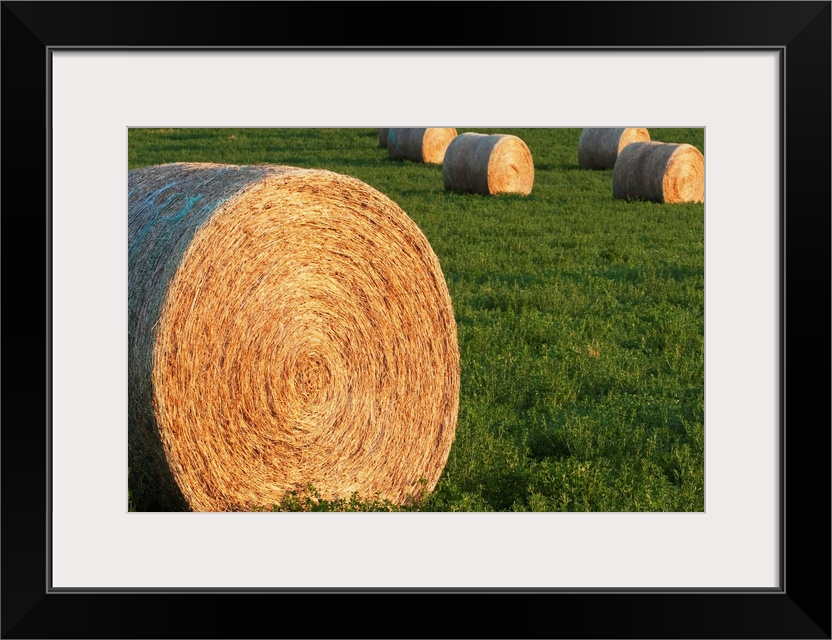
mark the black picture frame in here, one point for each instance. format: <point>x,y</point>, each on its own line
<point>799,31</point>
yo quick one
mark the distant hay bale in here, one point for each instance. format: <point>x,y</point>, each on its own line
<point>660,172</point>
<point>419,145</point>
<point>488,164</point>
<point>382,137</point>
<point>599,148</point>
<point>287,327</point>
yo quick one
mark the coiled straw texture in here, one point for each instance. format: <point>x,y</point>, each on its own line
<point>488,164</point>
<point>419,145</point>
<point>599,148</point>
<point>287,327</point>
<point>660,172</point>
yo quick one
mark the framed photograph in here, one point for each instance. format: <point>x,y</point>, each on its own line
<point>753,563</point>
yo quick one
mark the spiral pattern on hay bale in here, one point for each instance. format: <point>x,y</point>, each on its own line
<point>598,148</point>
<point>488,164</point>
<point>660,172</point>
<point>426,145</point>
<point>287,327</point>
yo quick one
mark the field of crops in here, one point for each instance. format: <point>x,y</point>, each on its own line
<point>580,319</point>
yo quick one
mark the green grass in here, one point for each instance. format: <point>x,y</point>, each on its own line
<point>580,321</point>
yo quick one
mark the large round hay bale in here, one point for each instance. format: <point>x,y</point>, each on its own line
<point>488,164</point>
<point>382,137</point>
<point>660,172</point>
<point>419,145</point>
<point>598,148</point>
<point>287,327</point>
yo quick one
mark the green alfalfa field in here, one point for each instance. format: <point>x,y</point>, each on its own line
<point>580,321</point>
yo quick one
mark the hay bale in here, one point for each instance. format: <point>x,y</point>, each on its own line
<point>599,148</point>
<point>287,327</point>
<point>488,164</point>
<point>382,137</point>
<point>661,172</point>
<point>419,145</point>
